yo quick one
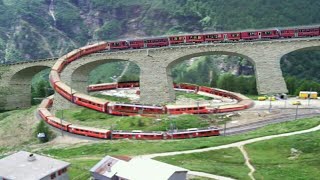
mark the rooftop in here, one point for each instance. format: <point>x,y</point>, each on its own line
<point>17,166</point>
<point>137,168</point>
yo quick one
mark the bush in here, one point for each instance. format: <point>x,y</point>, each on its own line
<point>43,128</point>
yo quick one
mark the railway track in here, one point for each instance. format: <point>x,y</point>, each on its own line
<point>255,125</point>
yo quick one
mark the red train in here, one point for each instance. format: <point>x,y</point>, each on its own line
<point>247,35</point>
<point>119,134</point>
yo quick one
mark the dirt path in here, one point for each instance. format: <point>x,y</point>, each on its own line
<point>247,161</point>
<point>237,144</point>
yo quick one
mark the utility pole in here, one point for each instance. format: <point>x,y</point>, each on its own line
<point>296,112</point>
<point>61,122</point>
<point>270,106</point>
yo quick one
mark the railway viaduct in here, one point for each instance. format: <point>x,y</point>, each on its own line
<point>155,69</point>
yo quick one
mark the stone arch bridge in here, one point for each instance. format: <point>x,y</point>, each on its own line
<point>155,69</point>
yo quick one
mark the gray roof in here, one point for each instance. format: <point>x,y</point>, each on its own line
<point>17,166</point>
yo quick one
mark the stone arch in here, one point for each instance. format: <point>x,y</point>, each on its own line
<point>208,53</point>
<point>80,74</point>
<point>20,86</point>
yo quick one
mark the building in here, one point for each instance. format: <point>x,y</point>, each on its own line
<point>27,166</point>
<point>115,168</point>
<point>308,94</point>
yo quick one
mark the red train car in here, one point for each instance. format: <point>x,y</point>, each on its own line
<point>44,113</point>
<point>269,34</point>
<point>73,55</point>
<point>194,39</point>
<point>186,109</point>
<point>54,77</point>
<point>118,45</point>
<point>308,32</point>
<point>89,131</point>
<point>137,134</point>
<point>193,133</point>
<point>90,102</point>
<point>128,84</point>
<point>101,87</point>
<point>218,37</point>
<point>64,90</point>
<point>60,64</point>
<point>206,89</point>
<point>46,103</point>
<point>288,33</point>
<point>136,44</point>
<point>251,35</point>
<point>93,48</point>
<point>232,36</point>
<point>177,40</point>
<point>58,123</point>
<point>156,42</point>
<point>134,109</point>
<point>188,86</point>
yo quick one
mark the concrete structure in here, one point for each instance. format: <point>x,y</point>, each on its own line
<point>27,166</point>
<point>156,64</point>
<point>111,168</point>
<point>15,82</point>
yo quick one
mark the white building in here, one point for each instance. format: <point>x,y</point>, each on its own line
<point>26,166</point>
<point>111,168</point>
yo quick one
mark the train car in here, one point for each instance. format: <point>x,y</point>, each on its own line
<point>137,134</point>
<point>288,33</point>
<point>216,37</point>
<point>64,90</point>
<point>117,45</point>
<point>58,123</point>
<point>54,77</point>
<point>308,32</point>
<point>193,133</point>
<point>136,44</point>
<point>188,86</point>
<point>90,131</point>
<point>195,39</point>
<point>46,103</point>
<point>101,87</point>
<point>73,55</point>
<point>269,34</point>
<point>232,36</point>
<point>250,35</point>
<point>173,40</point>
<point>90,102</point>
<point>187,109</point>
<point>92,48</point>
<point>60,64</point>
<point>206,89</point>
<point>230,108</point>
<point>44,113</point>
<point>156,42</point>
<point>122,109</point>
<point>128,84</point>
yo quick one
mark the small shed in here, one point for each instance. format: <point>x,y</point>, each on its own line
<point>28,166</point>
<point>138,168</point>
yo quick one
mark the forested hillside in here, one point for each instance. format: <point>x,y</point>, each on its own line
<point>35,29</point>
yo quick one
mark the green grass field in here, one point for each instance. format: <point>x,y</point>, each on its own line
<point>272,159</point>
<point>87,117</point>
<point>192,96</point>
<point>225,162</point>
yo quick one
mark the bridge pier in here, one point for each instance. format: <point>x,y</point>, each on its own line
<point>269,77</point>
<point>156,85</point>
<point>15,97</point>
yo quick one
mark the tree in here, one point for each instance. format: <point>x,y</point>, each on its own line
<point>43,128</point>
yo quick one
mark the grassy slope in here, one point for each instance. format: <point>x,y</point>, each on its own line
<point>227,162</point>
<point>92,118</point>
<point>272,158</point>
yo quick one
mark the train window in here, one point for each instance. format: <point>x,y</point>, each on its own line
<point>251,33</point>
<point>267,32</point>
<point>234,35</point>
